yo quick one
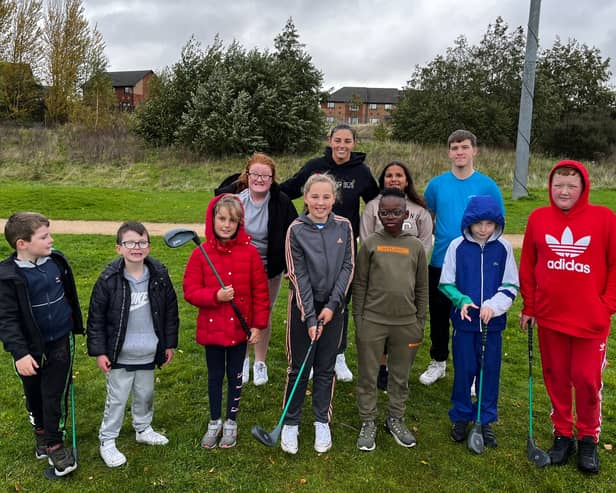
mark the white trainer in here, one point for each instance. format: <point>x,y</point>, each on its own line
<point>150,437</point>
<point>259,371</point>
<point>246,371</point>
<point>343,373</point>
<point>111,455</point>
<point>322,437</point>
<point>288,439</point>
<point>434,372</point>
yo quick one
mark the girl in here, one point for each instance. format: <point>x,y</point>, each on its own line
<point>354,180</point>
<point>268,214</point>
<point>320,262</point>
<point>240,267</point>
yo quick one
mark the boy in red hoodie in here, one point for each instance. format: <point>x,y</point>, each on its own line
<point>568,284</point>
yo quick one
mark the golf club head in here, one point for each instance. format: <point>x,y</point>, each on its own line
<point>180,236</point>
<point>267,439</point>
<point>475,439</point>
<point>536,455</point>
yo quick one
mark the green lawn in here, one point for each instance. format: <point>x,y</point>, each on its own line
<point>435,465</point>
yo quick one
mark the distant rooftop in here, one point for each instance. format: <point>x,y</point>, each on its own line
<point>383,95</point>
<point>127,78</point>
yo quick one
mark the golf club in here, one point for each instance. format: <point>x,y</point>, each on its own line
<point>180,236</point>
<point>475,437</point>
<point>270,439</point>
<point>535,454</point>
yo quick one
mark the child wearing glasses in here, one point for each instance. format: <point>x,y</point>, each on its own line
<point>390,300</point>
<point>132,328</point>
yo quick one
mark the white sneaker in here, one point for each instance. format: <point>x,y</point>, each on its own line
<point>111,455</point>
<point>246,371</point>
<point>259,371</point>
<point>342,370</point>
<point>150,437</point>
<point>435,371</point>
<point>322,437</point>
<point>288,439</point>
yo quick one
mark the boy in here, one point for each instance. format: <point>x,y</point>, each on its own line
<point>132,327</point>
<point>568,284</point>
<point>447,196</point>
<point>40,315</point>
<point>480,278</point>
<point>390,291</point>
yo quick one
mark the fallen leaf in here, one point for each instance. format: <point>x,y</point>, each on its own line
<point>607,446</point>
<point>212,470</point>
<point>303,481</point>
<point>272,460</point>
<point>425,463</point>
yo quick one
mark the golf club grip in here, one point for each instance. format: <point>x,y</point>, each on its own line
<point>242,320</point>
<point>529,329</point>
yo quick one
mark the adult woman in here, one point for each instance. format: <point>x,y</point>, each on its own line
<point>419,223</point>
<point>354,180</point>
<point>268,214</point>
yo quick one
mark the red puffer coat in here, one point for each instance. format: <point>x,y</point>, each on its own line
<point>238,263</point>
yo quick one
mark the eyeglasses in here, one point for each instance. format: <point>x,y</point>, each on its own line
<point>392,213</point>
<point>134,244</point>
<point>257,176</point>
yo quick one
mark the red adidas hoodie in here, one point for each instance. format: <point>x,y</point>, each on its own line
<point>568,265</point>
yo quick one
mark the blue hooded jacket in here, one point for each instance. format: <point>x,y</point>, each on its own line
<point>482,274</point>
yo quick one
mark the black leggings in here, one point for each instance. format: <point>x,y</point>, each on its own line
<point>221,360</point>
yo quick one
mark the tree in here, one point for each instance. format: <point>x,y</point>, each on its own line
<point>66,38</point>
<point>7,12</point>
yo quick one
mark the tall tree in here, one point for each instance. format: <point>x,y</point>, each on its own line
<point>7,11</point>
<point>66,38</point>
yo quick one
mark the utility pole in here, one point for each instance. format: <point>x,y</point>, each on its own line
<point>522,148</point>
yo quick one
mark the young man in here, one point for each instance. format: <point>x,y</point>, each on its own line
<point>568,283</point>
<point>389,308</point>
<point>480,278</point>
<point>132,327</point>
<point>40,315</point>
<point>447,196</point>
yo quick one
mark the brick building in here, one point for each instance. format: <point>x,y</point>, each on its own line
<point>131,87</point>
<point>355,105</point>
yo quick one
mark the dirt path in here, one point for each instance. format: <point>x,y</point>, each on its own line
<point>155,229</point>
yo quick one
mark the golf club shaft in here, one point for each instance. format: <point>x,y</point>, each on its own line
<point>530,378</point>
<point>238,314</point>
<point>484,340</point>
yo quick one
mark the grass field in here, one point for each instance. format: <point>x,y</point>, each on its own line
<point>169,188</point>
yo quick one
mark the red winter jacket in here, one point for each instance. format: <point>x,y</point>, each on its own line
<point>568,265</point>
<point>238,263</point>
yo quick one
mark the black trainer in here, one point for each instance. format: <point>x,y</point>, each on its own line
<point>489,438</point>
<point>588,460</point>
<point>458,431</point>
<point>40,452</point>
<point>381,380</point>
<point>61,459</point>
<point>562,449</point>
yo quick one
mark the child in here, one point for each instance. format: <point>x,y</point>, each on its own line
<point>480,278</point>
<point>218,328</point>
<point>568,284</point>
<point>320,263</point>
<point>390,299</point>
<point>40,315</point>
<point>132,327</point>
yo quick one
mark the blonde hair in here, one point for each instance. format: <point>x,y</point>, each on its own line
<point>321,178</point>
<point>233,205</point>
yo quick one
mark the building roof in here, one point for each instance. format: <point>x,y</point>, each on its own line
<point>383,95</point>
<point>128,78</point>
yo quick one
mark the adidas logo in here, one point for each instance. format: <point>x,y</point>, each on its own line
<point>567,248</point>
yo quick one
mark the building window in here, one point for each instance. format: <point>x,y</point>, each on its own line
<point>354,107</point>
<point>374,121</point>
<point>389,106</point>
<point>331,105</point>
<point>373,106</point>
<point>128,90</point>
<point>330,119</point>
<point>353,120</point>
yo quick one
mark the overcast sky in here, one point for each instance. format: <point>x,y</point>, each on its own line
<point>353,42</point>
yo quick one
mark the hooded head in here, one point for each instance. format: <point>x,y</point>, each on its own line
<point>234,207</point>
<point>482,208</point>
<point>569,186</point>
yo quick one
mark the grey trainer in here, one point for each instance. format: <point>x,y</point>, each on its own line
<point>366,440</point>
<point>229,434</point>
<point>214,428</point>
<point>400,432</point>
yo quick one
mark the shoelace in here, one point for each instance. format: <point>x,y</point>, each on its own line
<point>367,430</point>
